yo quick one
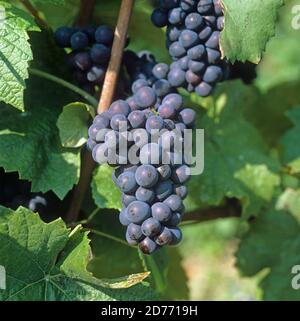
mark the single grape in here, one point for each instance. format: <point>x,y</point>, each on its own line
<point>196,66</point>
<point>145,195</point>
<point>188,5</point>
<point>132,103</point>
<point>174,202</point>
<point>62,36</point>
<point>163,189</point>
<point>137,119</point>
<point>205,33</point>
<point>127,183</point>
<point>154,123</point>
<point>212,74</point>
<point>100,54</point>
<point>123,217</point>
<point>213,56</point>
<point>204,89</point>
<point>119,107</point>
<point>173,32</point>
<point>96,74</point>
<point>91,144</point>
<point>174,100</point>
<point>134,231</point>
<point>184,63</point>
<point>102,121</point>
<point>220,23</point>
<point>119,122</point>
<point>176,235</point>
<point>147,246</point>
<point>146,176</point>
<point>164,238</point>
<point>162,87</point>
<point>160,71</point>
<point>187,116</point>
<point>213,41</point>
<point>127,199</point>
<point>177,50</point>
<point>176,77</point>
<point>139,84</point>
<point>130,241</point>
<point>174,220</point>
<point>194,21</point>
<point>180,127</point>
<point>90,32</point>
<point>164,172</point>
<point>145,97</point>
<point>169,124</point>
<point>196,53</point>
<point>79,41</point>
<point>100,137</point>
<point>211,21</point>
<point>138,212</point>
<point>151,227</point>
<point>167,111</point>
<point>111,139</point>
<point>100,153</point>
<point>83,61</point>
<point>104,35</point>
<point>192,78</point>
<point>181,174</point>
<point>161,212</point>
<point>188,39</point>
<point>218,7</point>
<point>205,6</point>
<point>181,191</point>
<point>176,16</point>
<point>159,18</point>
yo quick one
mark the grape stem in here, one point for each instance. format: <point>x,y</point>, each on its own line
<point>90,99</point>
<point>30,7</point>
<point>85,11</point>
<point>107,94</point>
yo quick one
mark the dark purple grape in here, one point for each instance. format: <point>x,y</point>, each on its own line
<point>180,127</point>
<point>164,238</point>
<point>132,103</point>
<point>145,97</point>
<point>196,66</point>
<point>218,7</point>
<point>187,116</point>
<point>196,53</point>
<point>123,217</point>
<point>167,111</point>
<point>164,172</point>
<point>176,77</point>
<point>100,153</point>
<point>163,189</point>
<point>79,41</point>
<point>176,16</point>
<point>139,84</point>
<point>174,202</point>
<point>205,33</point>
<point>151,227</point>
<point>127,183</point>
<point>101,121</point>
<point>176,235</point>
<point>127,199</point>
<point>181,191</point>
<point>211,21</point>
<point>154,123</point>
<point>119,122</point>
<point>213,56</point>
<point>213,74</point>
<point>204,89</point>
<point>91,144</point>
<point>188,39</point>
<point>159,18</point>
<point>83,61</point>
<point>194,21</point>
<point>96,74</point>
<point>130,241</point>
<point>90,32</point>
<point>188,5</point>
<point>213,41</point>
<point>174,220</point>
<point>169,124</point>
<point>100,137</point>
<point>173,33</point>
<point>111,139</point>
<point>145,195</point>
<point>168,4</point>
<point>119,107</point>
<point>174,100</point>
<point>137,119</point>
<point>138,212</point>
<point>147,246</point>
<point>100,54</point>
<point>134,231</point>
<point>177,50</point>
<point>146,176</point>
<point>181,174</point>
<point>205,6</point>
<point>220,23</point>
<point>62,36</point>
<point>161,212</point>
<point>160,71</point>
<point>184,63</point>
<point>192,78</point>
<point>104,35</point>
<point>162,87</point>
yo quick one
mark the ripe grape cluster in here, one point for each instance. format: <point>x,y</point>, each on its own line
<point>141,138</point>
<point>193,34</point>
<point>89,55</point>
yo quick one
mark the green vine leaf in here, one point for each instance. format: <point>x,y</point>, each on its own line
<point>15,54</point>
<point>248,27</point>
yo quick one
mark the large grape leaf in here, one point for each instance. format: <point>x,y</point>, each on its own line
<point>248,27</point>
<point>289,200</point>
<point>272,242</point>
<point>15,53</point>
<point>51,262</point>
<point>237,161</point>
<point>104,191</point>
<point>56,2</point>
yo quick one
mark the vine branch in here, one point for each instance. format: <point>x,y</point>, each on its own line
<point>85,11</point>
<point>30,7</point>
<point>107,94</point>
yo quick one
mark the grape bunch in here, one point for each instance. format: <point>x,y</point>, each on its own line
<point>193,34</point>
<point>141,137</point>
<point>89,55</point>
